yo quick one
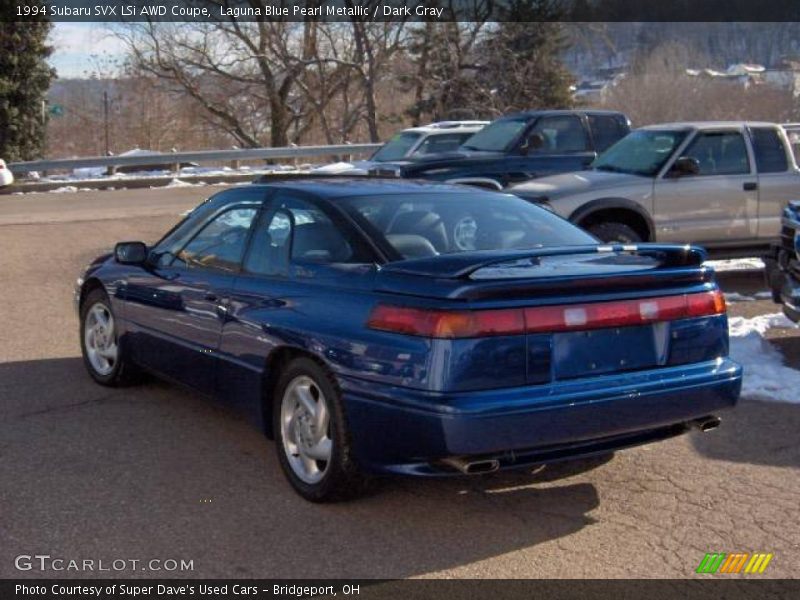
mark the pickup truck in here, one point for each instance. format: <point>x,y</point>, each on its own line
<point>519,147</point>
<point>783,263</point>
<point>722,185</point>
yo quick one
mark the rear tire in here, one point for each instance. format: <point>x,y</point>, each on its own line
<point>613,232</point>
<point>311,435</point>
<point>105,358</point>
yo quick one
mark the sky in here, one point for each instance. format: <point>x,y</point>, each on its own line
<point>75,46</point>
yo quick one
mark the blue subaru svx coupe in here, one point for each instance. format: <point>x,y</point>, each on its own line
<point>391,326</point>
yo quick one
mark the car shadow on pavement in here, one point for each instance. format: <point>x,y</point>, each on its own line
<point>756,432</point>
<point>155,470</point>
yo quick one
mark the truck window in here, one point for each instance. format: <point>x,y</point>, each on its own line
<point>562,134</point>
<point>606,130</point>
<point>769,150</point>
<point>719,153</point>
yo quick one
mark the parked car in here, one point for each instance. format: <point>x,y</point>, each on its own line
<point>425,140</point>
<point>6,176</point>
<point>519,147</point>
<point>783,264</point>
<point>719,184</point>
<point>385,326</point>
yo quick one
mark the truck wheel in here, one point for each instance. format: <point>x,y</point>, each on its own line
<point>610,232</point>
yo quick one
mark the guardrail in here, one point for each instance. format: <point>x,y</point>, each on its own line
<point>176,158</point>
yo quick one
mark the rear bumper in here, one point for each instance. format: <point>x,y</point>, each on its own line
<point>410,431</point>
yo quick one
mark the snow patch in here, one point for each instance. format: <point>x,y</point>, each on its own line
<point>179,183</point>
<point>736,264</point>
<point>66,189</point>
<point>765,374</point>
<point>737,297</point>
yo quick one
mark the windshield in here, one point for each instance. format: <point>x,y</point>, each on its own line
<point>397,147</point>
<point>497,136</point>
<point>422,225</point>
<point>641,152</point>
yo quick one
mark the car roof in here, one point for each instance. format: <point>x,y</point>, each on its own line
<point>560,112</point>
<point>359,185</point>
<point>710,125</point>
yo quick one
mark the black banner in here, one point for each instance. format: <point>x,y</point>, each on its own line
<point>110,11</point>
<point>418,589</point>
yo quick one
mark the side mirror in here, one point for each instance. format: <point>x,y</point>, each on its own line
<point>130,253</point>
<point>685,165</point>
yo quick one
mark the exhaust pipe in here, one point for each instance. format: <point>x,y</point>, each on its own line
<point>706,423</point>
<point>472,467</point>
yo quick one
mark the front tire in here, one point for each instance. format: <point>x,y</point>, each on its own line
<point>104,357</point>
<point>311,435</point>
<point>613,232</point>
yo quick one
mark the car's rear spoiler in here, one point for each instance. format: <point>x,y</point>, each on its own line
<point>463,264</point>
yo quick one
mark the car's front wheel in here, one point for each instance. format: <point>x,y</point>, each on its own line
<point>104,357</point>
<point>311,434</point>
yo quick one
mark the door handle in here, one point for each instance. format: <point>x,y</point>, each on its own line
<point>750,186</point>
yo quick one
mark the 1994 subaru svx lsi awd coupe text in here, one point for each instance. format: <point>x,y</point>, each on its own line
<point>391,326</point>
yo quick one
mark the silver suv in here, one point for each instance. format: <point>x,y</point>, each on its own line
<point>722,185</point>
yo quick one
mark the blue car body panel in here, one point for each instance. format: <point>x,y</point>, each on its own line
<point>412,401</point>
<point>783,267</point>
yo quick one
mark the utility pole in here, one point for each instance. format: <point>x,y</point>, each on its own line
<point>105,118</point>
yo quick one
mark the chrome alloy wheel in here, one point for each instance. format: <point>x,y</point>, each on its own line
<point>100,339</point>
<point>305,429</point>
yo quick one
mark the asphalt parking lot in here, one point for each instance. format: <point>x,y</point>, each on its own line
<point>156,472</point>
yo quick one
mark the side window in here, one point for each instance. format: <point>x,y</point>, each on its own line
<point>769,150</point>
<point>434,144</point>
<point>564,134</point>
<point>165,250</point>
<point>299,232</point>
<point>719,153</point>
<point>606,130</point>
<point>220,243</point>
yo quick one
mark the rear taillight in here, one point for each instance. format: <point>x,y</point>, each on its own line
<point>544,319</point>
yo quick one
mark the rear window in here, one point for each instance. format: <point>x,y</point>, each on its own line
<point>443,142</point>
<point>769,150</point>
<point>422,225</point>
<point>397,147</point>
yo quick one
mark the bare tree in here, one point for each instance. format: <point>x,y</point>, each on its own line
<point>233,69</point>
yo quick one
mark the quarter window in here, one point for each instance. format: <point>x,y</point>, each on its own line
<point>606,130</point>
<point>769,151</point>
<point>220,243</point>
<point>299,232</point>
<point>720,153</point>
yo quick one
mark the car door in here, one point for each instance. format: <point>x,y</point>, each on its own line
<point>561,145</point>
<point>718,204</point>
<point>778,179</point>
<point>286,285</point>
<point>175,309</point>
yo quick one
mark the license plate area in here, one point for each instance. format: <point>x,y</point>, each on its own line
<point>587,353</point>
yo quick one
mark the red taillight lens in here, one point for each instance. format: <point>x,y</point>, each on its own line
<point>447,324</point>
<point>544,319</point>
